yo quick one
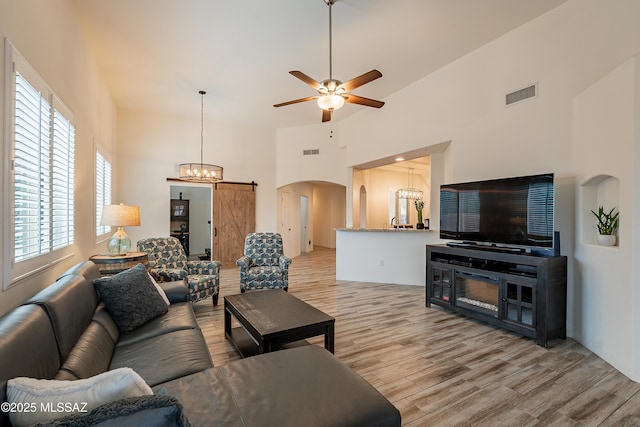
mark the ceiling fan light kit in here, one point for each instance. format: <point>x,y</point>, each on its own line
<point>332,94</point>
<point>330,102</point>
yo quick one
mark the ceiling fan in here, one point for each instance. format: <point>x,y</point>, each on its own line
<point>332,93</point>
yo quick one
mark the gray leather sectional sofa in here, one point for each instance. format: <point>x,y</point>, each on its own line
<point>65,332</point>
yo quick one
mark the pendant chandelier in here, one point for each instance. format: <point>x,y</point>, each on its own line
<point>410,192</point>
<point>201,172</point>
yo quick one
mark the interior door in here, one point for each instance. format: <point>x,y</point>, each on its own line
<point>234,216</point>
<point>286,226</point>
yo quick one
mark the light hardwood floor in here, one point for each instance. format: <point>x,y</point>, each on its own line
<point>440,369</point>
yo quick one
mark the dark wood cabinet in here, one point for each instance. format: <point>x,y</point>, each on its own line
<point>520,292</point>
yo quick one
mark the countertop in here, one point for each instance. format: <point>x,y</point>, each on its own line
<point>392,230</point>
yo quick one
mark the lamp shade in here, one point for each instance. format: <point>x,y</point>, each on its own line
<point>120,215</point>
<point>200,172</point>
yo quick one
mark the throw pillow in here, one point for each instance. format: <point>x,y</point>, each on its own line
<point>163,411</point>
<point>130,298</point>
<point>53,399</point>
<point>159,289</point>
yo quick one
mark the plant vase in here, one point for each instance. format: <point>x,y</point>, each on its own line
<point>606,239</point>
<point>419,206</point>
<point>420,224</point>
<point>607,225</point>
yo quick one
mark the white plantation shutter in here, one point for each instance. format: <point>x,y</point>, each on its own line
<point>64,134</point>
<point>103,191</point>
<point>41,147</point>
<point>31,172</point>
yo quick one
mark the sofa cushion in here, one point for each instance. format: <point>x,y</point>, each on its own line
<point>70,304</point>
<point>131,298</point>
<point>27,348</point>
<point>180,316</point>
<point>88,394</point>
<point>140,411</point>
<point>313,387</point>
<point>178,353</point>
<point>176,291</point>
<point>305,386</point>
<point>87,269</point>
<point>214,405</point>
<point>103,317</point>
<point>90,356</point>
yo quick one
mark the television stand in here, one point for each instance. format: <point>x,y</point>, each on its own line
<point>523,293</point>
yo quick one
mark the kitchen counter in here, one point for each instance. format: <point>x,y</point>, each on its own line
<point>383,255</point>
<point>393,230</point>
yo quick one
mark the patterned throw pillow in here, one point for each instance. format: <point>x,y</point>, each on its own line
<point>131,298</point>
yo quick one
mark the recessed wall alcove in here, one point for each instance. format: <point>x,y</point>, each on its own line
<point>599,190</point>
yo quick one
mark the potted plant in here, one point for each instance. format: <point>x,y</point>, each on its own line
<point>607,225</point>
<point>419,203</point>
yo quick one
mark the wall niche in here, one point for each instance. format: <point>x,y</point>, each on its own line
<point>599,190</point>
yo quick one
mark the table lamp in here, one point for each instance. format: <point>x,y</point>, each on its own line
<point>120,216</point>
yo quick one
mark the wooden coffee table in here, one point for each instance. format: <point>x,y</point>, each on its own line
<point>271,319</point>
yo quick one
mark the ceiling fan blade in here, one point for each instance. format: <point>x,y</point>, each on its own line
<point>355,99</point>
<point>326,115</point>
<point>360,80</point>
<point>308,80</point>
<point>295,101</point>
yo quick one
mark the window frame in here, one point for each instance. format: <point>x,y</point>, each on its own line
<point>99,204</point>
<point>16,272</point>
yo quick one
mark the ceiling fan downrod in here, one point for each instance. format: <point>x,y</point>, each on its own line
<point>330,3</point>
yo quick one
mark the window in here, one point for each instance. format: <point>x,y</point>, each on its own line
<point>103,191</point>
<point>40,142</point>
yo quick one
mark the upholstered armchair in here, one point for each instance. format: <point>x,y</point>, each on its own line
<point>263,264</point>
<point>168,262</point>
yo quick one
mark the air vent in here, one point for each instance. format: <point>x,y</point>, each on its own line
<point>521,95</point>
<point>311,152</point>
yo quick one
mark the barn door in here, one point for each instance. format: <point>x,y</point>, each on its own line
<point>234,216</point>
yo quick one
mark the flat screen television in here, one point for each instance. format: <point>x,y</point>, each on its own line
<point>509,212</point>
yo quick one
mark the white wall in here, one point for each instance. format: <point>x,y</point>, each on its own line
<point>47,35</point>
<point>329,212</point>
<point>151,147</point>
<point>605,129</point>
<point>292,166</point>
<point>564,51</point>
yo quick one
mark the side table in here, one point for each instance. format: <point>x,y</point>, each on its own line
<point>113,264</point>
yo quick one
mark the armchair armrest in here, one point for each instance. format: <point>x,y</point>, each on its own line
<point>244,262</point>
<point>284,262</point>
<point>204,267</point>
<point>168,274</point>
<point>176,291</point>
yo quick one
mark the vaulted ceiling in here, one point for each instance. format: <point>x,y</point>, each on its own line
<point>155,55</point>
